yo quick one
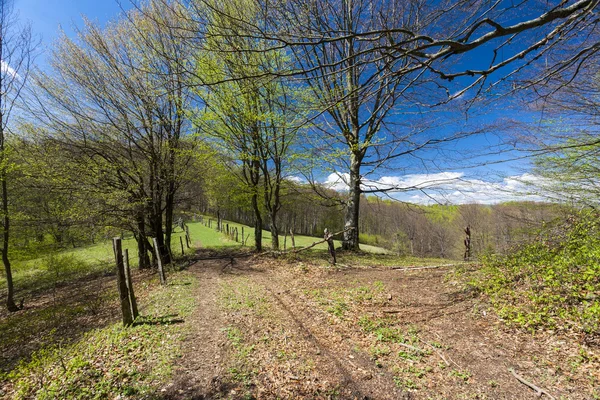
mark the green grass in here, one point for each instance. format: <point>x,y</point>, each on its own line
<point>114,361</point>
<point>300,240</point>
<point>58,267</point>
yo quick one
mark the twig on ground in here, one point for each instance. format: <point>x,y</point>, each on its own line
<point>413,348</point>
<point>427,267</point>
<point>439,353</point>
<point>539,391</point>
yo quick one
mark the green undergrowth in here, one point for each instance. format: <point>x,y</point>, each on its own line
<point>113,362</point>
<point>553,282</point>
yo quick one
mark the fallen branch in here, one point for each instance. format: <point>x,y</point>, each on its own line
<point>413,348</point>
<point>428,267</point>
<point>439,353</point>
<point>298,250</point>
<point>539,391</point>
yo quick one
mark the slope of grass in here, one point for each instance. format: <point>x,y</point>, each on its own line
<point>300,240</point>
<point>68,264</point>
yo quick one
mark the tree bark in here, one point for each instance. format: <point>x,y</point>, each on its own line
<point>10,298</point>
<point>257,223</point>
<point>169,207</point>
<point>142,243</point>
<point>274,231</point>
<point>350,239</point>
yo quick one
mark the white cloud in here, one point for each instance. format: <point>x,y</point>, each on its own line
<point>7,69</point>
<point>337,181</point>
<point>449,187</point>
<point>296,179</point>
<point>414,181</point>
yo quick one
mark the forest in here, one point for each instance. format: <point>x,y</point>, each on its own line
<point>329,199</point>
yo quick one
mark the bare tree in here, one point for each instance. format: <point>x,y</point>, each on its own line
<point>117,106</point>
<point>16,56</point>
<point>254,119</point>
<point>372,64</point>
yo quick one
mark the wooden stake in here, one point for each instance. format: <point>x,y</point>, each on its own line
<point>161,271</point>
<point>181,242</point>
<point>121,283</point>
<point>330,245</point>
<point>129,281</point>
<point>188,238</point>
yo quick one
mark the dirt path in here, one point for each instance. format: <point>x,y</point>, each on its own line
<point>198,373</point>
<point>266,329</point>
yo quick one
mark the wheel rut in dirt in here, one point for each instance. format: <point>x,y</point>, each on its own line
<point>360,379</point>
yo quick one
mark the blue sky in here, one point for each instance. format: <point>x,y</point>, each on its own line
<point>47,17</point>
<point>483,184</point>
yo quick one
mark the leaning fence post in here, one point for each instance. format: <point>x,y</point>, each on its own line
<point>329,238</point>
<point>181,242</point>
<point>122,284</point>
<point>188,238</point>
<point>129,281</point>
<point>161,271</point>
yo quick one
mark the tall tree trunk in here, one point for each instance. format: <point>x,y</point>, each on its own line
<point>10,299</point>
<point>169,206</point>
<point>142,243</point>
<point>159,234</point>
<point>257,223</point>
<point>274,231</point>
<point>350,240</point>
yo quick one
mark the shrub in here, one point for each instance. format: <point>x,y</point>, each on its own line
<point>554,281</point>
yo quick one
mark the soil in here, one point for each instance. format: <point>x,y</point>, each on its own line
<point>267,328</point>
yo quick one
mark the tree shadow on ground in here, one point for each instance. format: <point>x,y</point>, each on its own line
<point>59,316</point>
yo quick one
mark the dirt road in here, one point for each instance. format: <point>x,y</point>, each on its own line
<point>267,328</point>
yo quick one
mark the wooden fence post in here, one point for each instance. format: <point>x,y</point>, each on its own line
<point>181,242</point>
<point>237,236</point>
<point>188,238</point>
<point>292,237</point>
<point>329,238</point>
<point>243,244</point>
<point>161,271</point>
<point>122,284</point>
<point>467,242</point>
<point>129,281</point>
